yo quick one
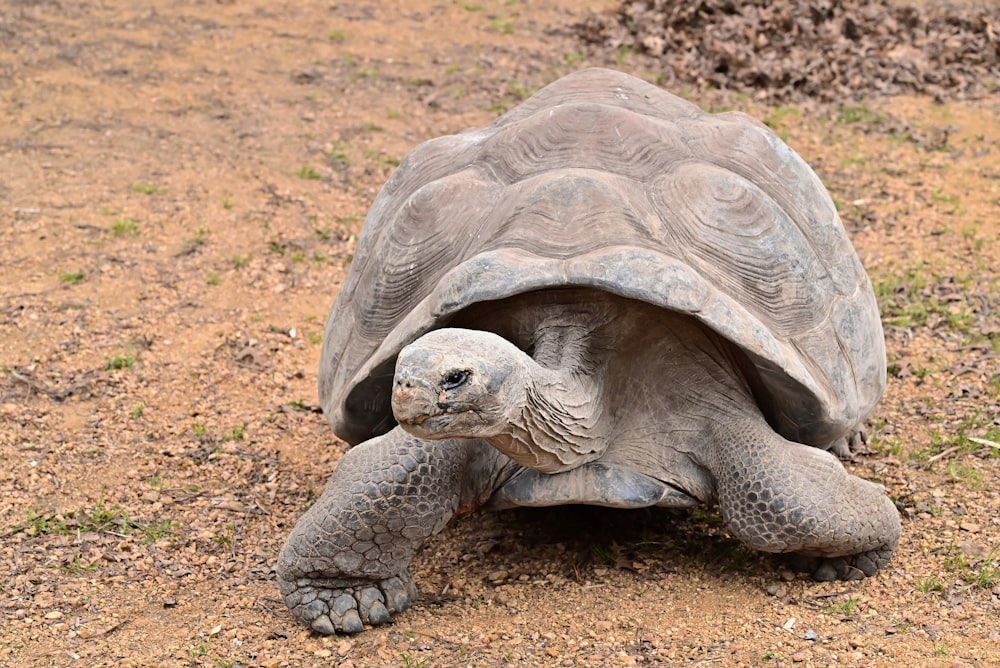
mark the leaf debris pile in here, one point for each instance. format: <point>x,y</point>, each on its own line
<point>824,49</point>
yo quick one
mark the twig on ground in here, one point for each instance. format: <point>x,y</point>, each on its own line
<point>942,454</point>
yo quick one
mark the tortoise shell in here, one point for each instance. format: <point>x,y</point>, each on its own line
<point>604,181</point>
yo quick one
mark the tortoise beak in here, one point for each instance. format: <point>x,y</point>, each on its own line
<point>413,398</point>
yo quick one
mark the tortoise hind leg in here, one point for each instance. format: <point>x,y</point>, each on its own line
<point>780,496</point>
<point>345,564</point>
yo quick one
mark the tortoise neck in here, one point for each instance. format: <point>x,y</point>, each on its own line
<point>561,423</point>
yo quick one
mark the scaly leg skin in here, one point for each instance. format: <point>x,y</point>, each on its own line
<point>781,496</point>
<point>345,563</point>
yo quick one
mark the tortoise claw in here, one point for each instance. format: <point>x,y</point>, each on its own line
<point>333,606</point>
<point>847,568</point>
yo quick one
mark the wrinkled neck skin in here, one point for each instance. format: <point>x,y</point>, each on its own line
<point>561,422</point>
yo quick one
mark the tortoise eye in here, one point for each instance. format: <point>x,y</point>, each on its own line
<point>455,379</point>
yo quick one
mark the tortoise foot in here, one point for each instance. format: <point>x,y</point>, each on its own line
<point>848,567</point>
<point>332,606</point>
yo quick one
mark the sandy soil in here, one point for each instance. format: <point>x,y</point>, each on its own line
<point>181,185</point>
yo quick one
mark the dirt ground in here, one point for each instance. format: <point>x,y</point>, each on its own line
<point>181,185</point>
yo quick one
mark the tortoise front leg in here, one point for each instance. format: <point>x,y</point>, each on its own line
<point>780,496</point>
<point>345,564</point>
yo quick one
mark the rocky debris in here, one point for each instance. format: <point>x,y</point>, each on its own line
<point>825,49</point>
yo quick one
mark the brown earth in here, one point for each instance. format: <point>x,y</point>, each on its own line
<point>180,189</point>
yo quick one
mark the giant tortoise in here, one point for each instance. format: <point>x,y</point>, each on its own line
<point>607,296</point>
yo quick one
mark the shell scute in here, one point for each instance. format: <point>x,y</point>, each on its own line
<point>584,135</point>
<point>423,243</point>
<point>720,223</point>
<point>546,214</point>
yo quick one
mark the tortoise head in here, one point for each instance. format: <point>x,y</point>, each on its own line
<point>458,383</point>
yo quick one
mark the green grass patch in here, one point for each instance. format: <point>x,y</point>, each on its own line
<point>844,610</point>
<point>124,360</point>
<point>888,446</point>
<point>125,227</point>
<point>928,584</point>
<point>370,72</point>
<point>950,204</point>
<point>71,277</point>
<point>623,53</point>
<point>857,113</point>
<point>77,566</point>
<point>299,405</point>
<point>519,90</point>
<point>700,514</point>
<point>965,473</point>
<point>336,156</point>
<point>98,518</point>
<point>976,436</point>
<point>920,297</point>
<point>503,25</point>
<point>983,573</point>
<point>780,119</point>
<point>382,158</point>
<point>308,173</point>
